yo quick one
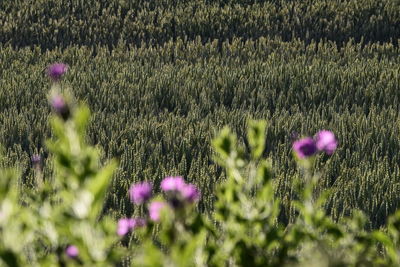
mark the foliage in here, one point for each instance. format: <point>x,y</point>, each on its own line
<point>156,109</point>
<point>60,23</point>
<point>57,223</point>
<point>161,78</point>
<point>247,232</point>
<point>38,225</point>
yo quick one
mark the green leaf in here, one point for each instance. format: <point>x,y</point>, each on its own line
<point>9,258</point>
<point>151,256</point>
<point>383,238</point>
<point>387,243</point>
<point>98,186</point>
<point>264,172</point>
<point>225,143</point>
<point>256,137</point>
<point>58,128</point>
<point>82,116</point>
<point>186,255</point>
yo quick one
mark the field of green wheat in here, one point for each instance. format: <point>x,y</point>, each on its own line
<point>162,77</point>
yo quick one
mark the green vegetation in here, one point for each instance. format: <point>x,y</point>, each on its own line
<point>57,222</point>
<point>161,77</point>
<point>157,110</point>
<point>61,23</point>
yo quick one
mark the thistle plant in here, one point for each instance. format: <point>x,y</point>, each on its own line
<point>61,221</point>
<point>58,223</point>
<point>180,231</point>
<point>246,230</point>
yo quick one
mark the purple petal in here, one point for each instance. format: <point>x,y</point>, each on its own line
<point>190,193</point>
<point>326,141</point>
<point>124,226</point>
<point>305,147</point>
<point>172,183</point>
<point>155,210</point>
<point>72,251</point>
<point>60,106</point>
<point>56,71</point>
<point>36,159</point>
<point>140,192</point>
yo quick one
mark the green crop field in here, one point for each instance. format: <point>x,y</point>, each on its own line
<point>162,77</point>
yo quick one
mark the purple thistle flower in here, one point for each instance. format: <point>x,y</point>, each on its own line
<point>58,103</point>
<point>140,192</point>
<point>56,71</point>
<point>190,193</point>
<point>36,159</point>
<point>305,147</point>
<point>72,251</point>
<point>124,226</point>
<point>326,141</point>
<point>60,106</point>
<point>127,224</point>
<point>172,183</point>
<point>155,210</point>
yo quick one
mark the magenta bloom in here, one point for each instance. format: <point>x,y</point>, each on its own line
<point>124,226</point>
<point>60,106</point>
<point>127,224</point>
<point>72,251</point>
<point>172,183</point>
<point>305,147</point>
<point>140,192</point>
<point>155,210</point>
<point>190,193</point>
<point>36,159</point>
<point>58,102</point>
<point>326,141</point>
<point>56,71</point>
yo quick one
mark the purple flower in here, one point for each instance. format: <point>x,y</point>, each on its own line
<point>60,106</point>
<point>124,226</point>
<point>58,103</point>
<point>56,71</point>
<point>305,147</point>
<point>155,210</point>
<point>326,141</point>
<point>190,193</point>
<point>72,251</point>
<point>36,159</point>
<point>140,192</point>
<point>127,224</point>
<point>172,183</point>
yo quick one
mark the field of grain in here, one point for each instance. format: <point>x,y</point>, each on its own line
<point>162,77</point>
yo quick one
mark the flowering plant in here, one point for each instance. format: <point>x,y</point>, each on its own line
<point>60,221</point>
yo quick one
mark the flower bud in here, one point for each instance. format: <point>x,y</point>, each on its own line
<point>125,225</point>
<point>72,251</point>
<point>155,209</point>
<point>140,192</point>
<point>326,141</point>
<point>60,106</point>
<point>305,147</point>
<point>56,71</point>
